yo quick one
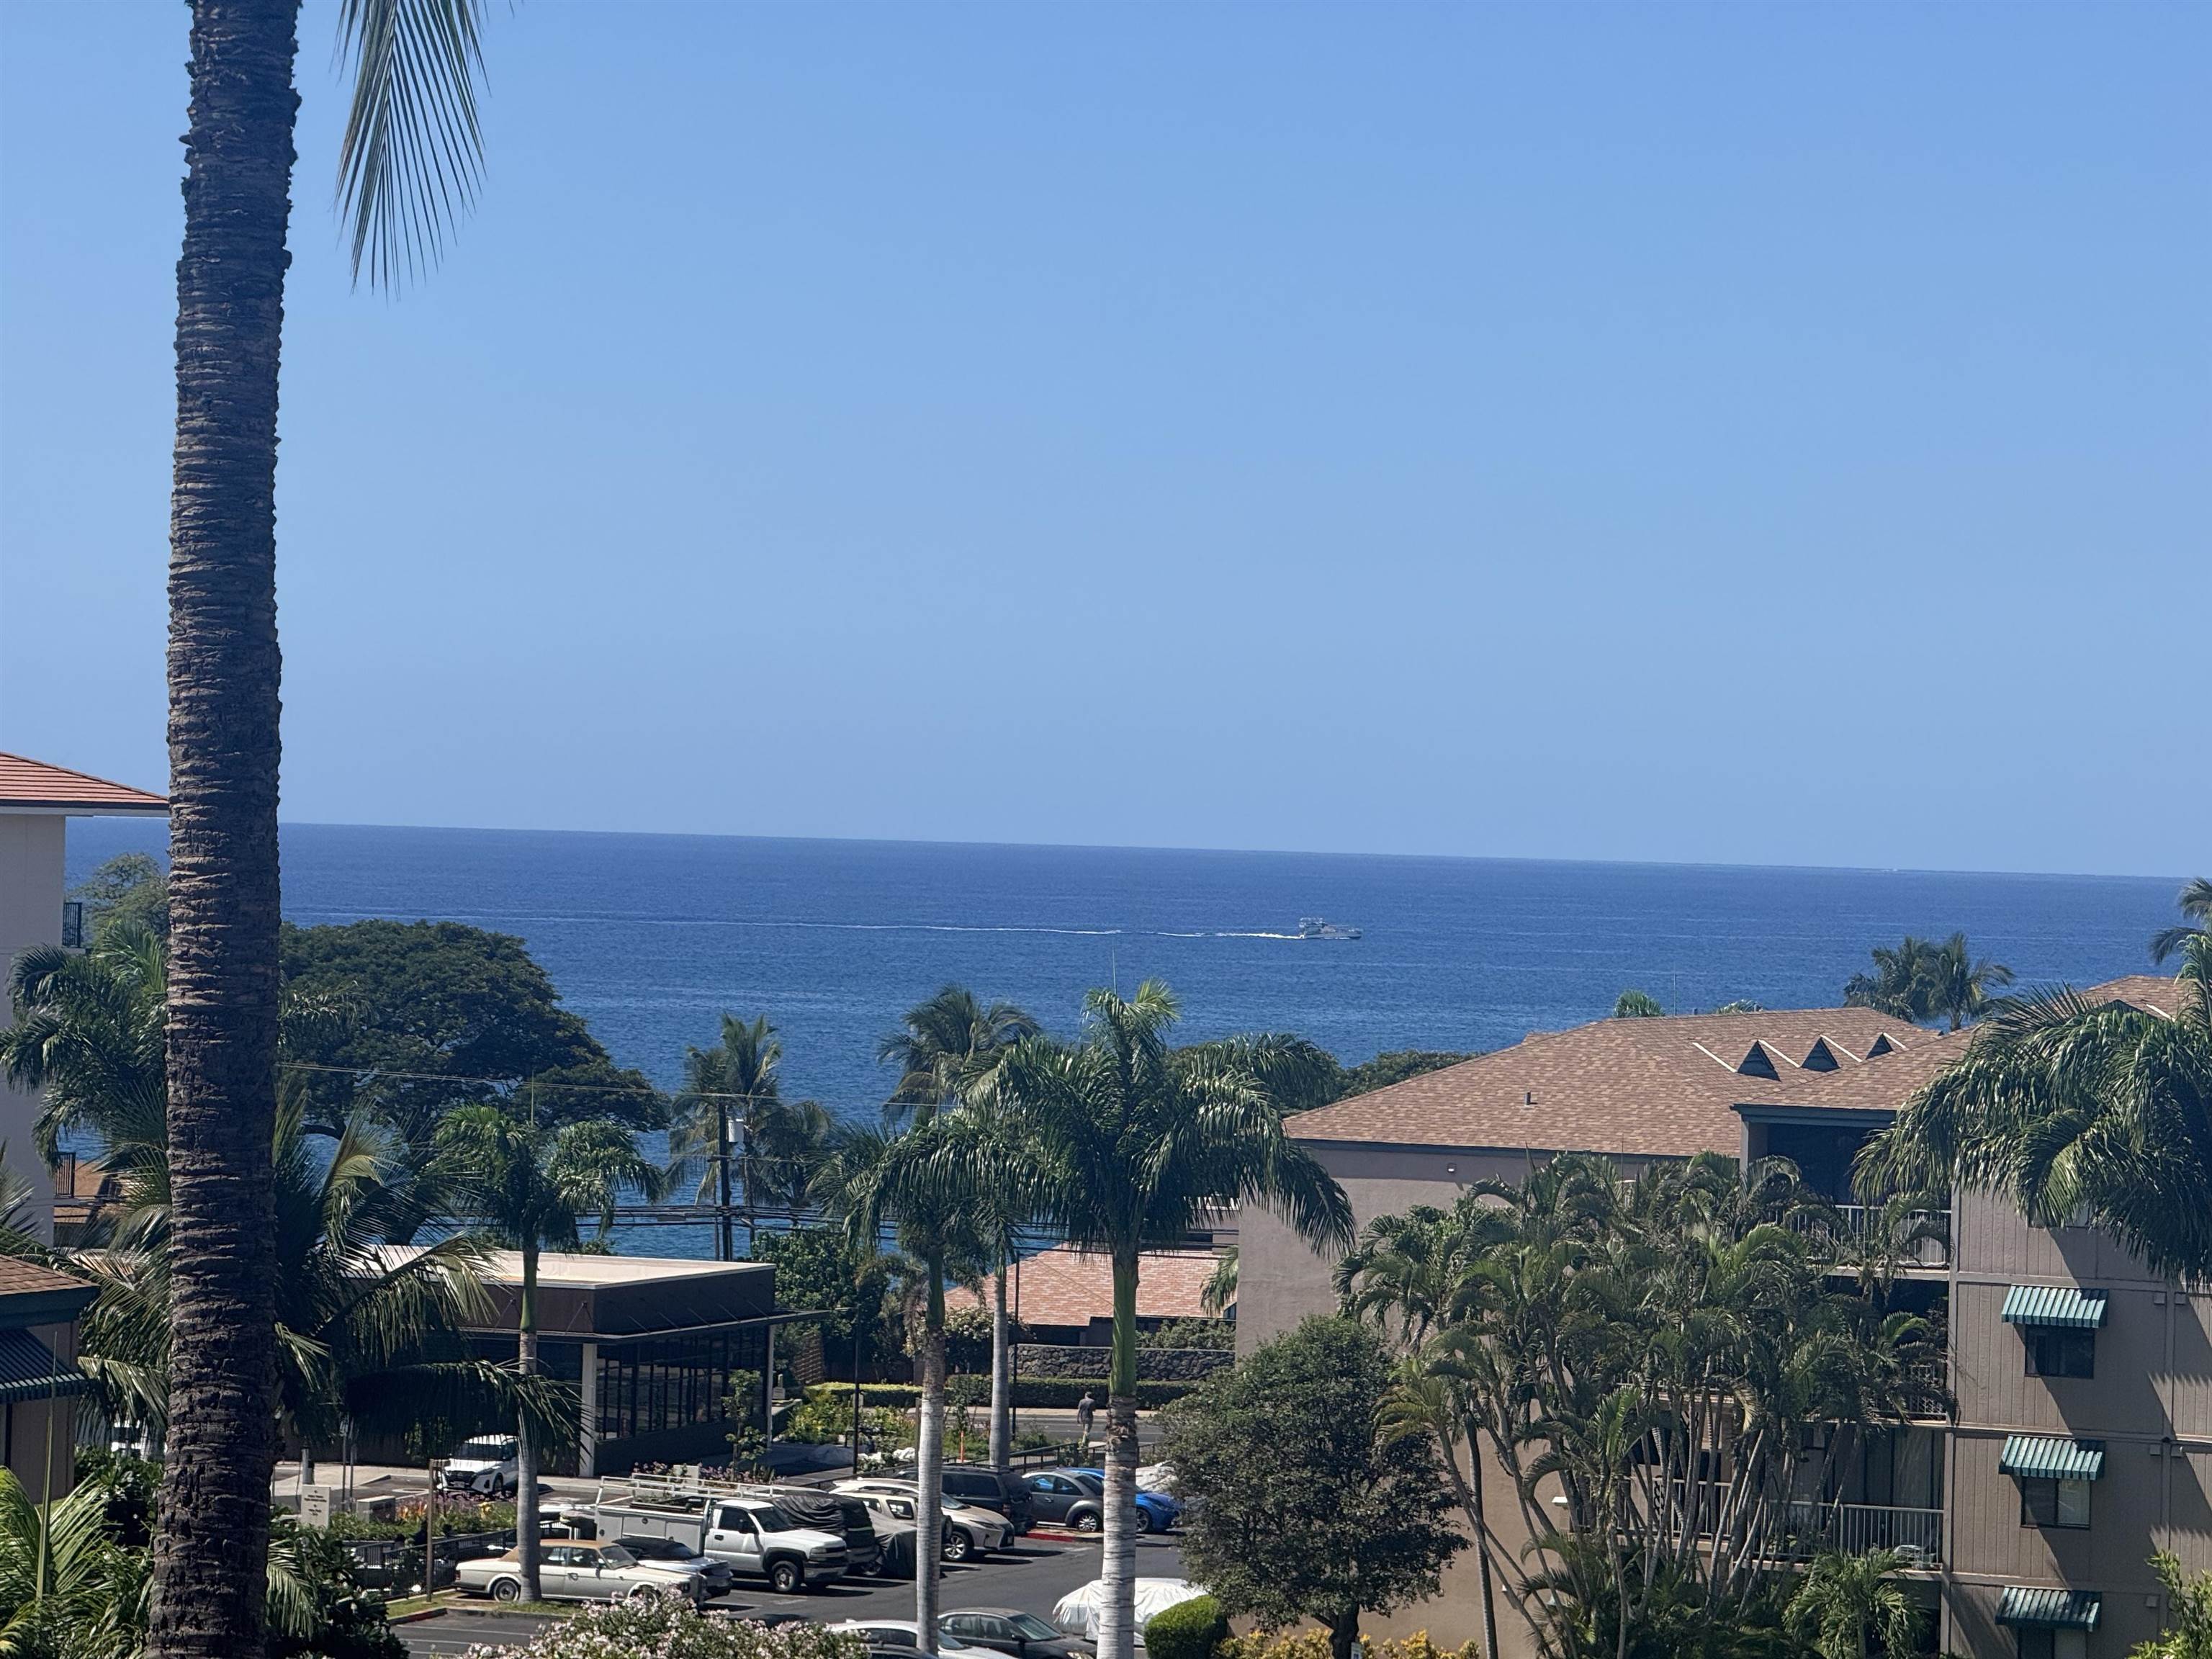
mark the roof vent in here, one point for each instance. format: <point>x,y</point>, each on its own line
<point>1757,1061</point>
<point>1826,1056</point>
<point>1880,1045</point>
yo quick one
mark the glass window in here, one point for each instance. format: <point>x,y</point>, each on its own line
<point>2054,1503</point>
<point>1028,1625</point>
<point>2054,1644</point>
<point>2055,1352</point>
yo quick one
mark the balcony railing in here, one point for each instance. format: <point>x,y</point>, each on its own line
<point>1915,1534</point>
<point>1920,1238</point>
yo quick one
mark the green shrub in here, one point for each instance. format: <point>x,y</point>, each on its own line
<point>672,1629</point>
<point>1189,1333</point>
<point>1188,1630</point>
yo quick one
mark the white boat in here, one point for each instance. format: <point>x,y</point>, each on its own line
<point>1320,927</point>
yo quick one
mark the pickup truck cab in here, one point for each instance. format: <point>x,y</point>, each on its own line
<point>756,1537</point>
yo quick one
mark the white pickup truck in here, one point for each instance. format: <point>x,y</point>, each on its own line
<point>757,1539</point>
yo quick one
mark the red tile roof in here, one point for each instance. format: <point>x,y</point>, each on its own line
<point>26,782</point>
<point>1066,1286</point>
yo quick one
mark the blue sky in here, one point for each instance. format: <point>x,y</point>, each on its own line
<point>1759,434</point>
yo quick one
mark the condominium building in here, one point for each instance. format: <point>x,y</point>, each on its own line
<point>2079,1436</point>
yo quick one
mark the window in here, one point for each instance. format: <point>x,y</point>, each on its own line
<point>2054,1502</point>
<point>2055,1351</point>
<point>2054,1644</point>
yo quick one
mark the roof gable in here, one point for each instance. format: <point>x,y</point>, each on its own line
<point>30,785</point>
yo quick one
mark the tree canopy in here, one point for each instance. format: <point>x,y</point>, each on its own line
<point>1307,1500</point>
<point>131,887</point>
<point>432,1006</point>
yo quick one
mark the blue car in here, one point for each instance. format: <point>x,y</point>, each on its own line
<point>1155,1510</point>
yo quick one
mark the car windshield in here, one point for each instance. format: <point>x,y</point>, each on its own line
<point>658,1549</point>
<point>480,1451</point>
<point>613,1555</point>
<point>1028,1625</point>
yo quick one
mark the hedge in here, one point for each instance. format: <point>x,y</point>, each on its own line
<point>1030,1392</point>
<point>1188,1630</point>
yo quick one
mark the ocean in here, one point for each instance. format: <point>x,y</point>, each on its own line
<point>651,938</point>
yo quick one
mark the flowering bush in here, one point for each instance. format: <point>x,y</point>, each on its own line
<point>658,1627</point>
<point>1314,1644</point>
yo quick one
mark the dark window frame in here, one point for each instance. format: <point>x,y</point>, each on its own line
<point>2059,1350</point>
<point>2039,1504</point>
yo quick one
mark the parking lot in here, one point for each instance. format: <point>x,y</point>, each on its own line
<point>1033,1578</point>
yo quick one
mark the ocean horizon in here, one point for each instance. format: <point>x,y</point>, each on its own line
<point>651,937</point>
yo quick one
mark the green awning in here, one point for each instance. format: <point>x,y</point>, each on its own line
<point>28,1369</point>
<point>2053,1609</point>
<point>2055,1305</point>
<point>2042,1457</point>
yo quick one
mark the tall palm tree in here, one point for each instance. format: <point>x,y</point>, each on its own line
<point>1125,1143</point>
<point>1898,984</point>
<point>1958,987</point>
<point>2063,1106</point>
<point>1852,1606</point>
<point>917,1185</point>
<point>410,155</point>
<point>947,1048</point>
<point>2194,903</point>
<point>529,1186</point>
<point>750,1147</point>
<point>365,1335</point>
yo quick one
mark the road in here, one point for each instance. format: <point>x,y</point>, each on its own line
<point>1034,1576</point>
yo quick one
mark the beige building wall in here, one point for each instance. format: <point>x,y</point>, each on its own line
<point>32,845</point>
<point>2150,1402</point>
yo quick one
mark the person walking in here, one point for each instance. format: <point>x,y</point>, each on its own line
<point>1086,1409</point>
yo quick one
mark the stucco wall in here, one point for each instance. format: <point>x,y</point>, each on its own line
<point>31,885</point>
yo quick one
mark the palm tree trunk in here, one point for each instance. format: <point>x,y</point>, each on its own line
<point>1117,1612</point>
<point>211,1543</point>
<point>1002,1372</point>
<point>929,1463</point>
<point>526,1449</point>
<point>1482,1547</point>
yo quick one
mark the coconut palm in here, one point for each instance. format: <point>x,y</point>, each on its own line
<point>1852,1606</point>
<point>1898,985</point>
<point>529,1186</point>
<point>1219,1294</point>
<point>749,1146</point>
<point>918,1185</point>
<point>2194,903</point>
<point>1636,1005</point>
<point>947,1048</point>
<point>90,1031</point>
<point>1956,987</point>
<point>66,1589</point>
<point>366,1334</point>
<point>945,1045</point>
<point>408,158</point>
<point>1125,1143</point>
<point>2066,1106</point>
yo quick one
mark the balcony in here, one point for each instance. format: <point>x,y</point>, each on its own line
<point>1916,1535</point>
<point>1918,1238</point>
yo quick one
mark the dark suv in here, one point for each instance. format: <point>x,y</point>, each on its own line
<point>992,1489</point>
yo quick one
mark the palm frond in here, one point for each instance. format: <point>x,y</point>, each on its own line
<point>413,149</point>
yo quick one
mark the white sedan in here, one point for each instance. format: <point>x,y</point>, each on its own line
<point>572,1571</point>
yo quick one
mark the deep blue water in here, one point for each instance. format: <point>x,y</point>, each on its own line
<point>650,938</point>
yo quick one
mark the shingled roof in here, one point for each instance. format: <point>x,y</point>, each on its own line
<point>1666,1087</point>
<point>1066,1286</point>
<point>34,785</point>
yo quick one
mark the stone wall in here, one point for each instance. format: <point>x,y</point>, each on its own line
<point>1153,1365</point>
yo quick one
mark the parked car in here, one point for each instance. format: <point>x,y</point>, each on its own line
<point>969,1531</point>
<point>582,1572</point>
<point>718,1573</point>
<point>759,1539</point>
<point>1009,1629</point>
<point>992,1489</point>
<point>486,1466</point>
<point>904,1636</point>
<point>1157,1510</point>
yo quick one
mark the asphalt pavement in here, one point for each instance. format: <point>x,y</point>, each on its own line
<point>1033,1577</point>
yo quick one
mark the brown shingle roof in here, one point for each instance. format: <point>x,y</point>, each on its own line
<point>26,782</point>
<point>21,1278</point>
<point>1066,1286</point>
<point>1664,1087</point>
